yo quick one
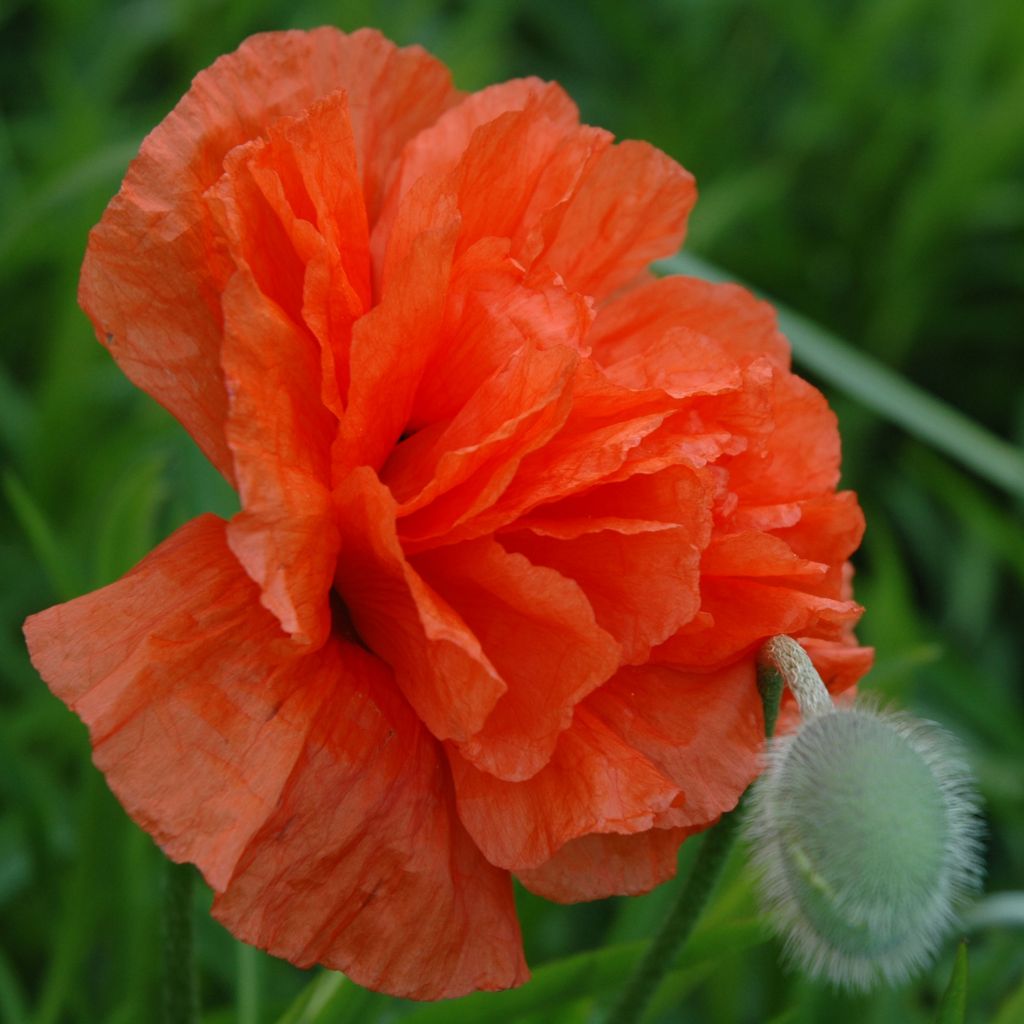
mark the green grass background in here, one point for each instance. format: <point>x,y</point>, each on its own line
<point>861,160</point>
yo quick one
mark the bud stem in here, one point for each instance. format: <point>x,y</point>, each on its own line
<point>782,655</point>
<point>711,858</point>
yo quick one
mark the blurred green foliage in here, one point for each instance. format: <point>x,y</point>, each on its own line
<point>862,160</point>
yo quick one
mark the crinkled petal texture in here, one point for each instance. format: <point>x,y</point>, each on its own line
<point>515,516</point>
<point>302,784</point>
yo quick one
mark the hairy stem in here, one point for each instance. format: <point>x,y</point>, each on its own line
<point>718,841</point>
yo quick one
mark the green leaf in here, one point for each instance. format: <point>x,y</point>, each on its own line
<point>41,538</point>
<point>953,1005</point>
<point>883,391</point>
<point>1012,1010</point>
<point>127,530</point>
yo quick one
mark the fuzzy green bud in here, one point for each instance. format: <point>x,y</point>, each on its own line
<point>864,833</point>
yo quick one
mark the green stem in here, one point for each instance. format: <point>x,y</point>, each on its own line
<point>181,989</point>
<point>718,842</point>
<point>248,984</point>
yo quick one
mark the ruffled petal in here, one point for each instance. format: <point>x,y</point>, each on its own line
<point>301,786</point>
<point>291,208</point>
<point>494,307</point>
<point>799,456</point>
<point>538,630</point>
<point>593,783</point>
<point>606,423</point>
<point>286,536</point>
<point>395,342</point>
<point>828,528</point>
<point>739,614</point>
<point>438,662</point>
<point>680,361</point>
<point>153,271</point>
<point>705,731</point>
<point>745,327</point>
<point>364,866</point>
<point>438,149</point>
<point>597,866</point>
<point>630,208</point>
<point>522,168</point>
<point>511,413</point>
<point>754,554</point>
<point>196,705</point>
<point>641,578</point>
<point>447,477</point>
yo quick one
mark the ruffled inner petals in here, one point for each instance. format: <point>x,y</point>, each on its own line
<point>642,579</point>
<point>744,326</point>
<point>438,662</point>
<point>705,731</point>
<point>629,208</point>
<point>538,629</point>
<point>494,307</point>
<point>286,535</point>
<point>154,270</point>
<point>593,783</point>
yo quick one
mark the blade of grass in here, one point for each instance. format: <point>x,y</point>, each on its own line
<point>997,910</point>
<point>887,393</point>
<point>13,1009</point>
<point>333,999</point>
<point>953,1005</point>
<point>41,538</point>
<point>1012,1010</point>
<point>64,970</point>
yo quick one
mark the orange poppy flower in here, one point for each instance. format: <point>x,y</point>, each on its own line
<point>516,516</point>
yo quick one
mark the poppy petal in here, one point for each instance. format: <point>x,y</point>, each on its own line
<point>538,629</point>
<point>196,708</point>
<point>291,208</point>
<point>606,423</point>
<point>597,866</point>
<point>743,325</point>
<point>437,150</point>
<point>642,579</point>
<point>799,457</point>
<point>629,208</point>
<point>393,345</point>
<point>705,731</point>
<point>494,307</point>
<point>739,614</point>
<point>450,478</point>
<point>286,535</point>
<point>380,879</point>
<point>220,742</point>
<point>593,783</point>
<point>152,272</point>
<point>438,663</point>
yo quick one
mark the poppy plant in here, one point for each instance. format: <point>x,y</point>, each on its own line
<point>515,519</point>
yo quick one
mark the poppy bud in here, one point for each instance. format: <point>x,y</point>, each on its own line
<point>865,835</point>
